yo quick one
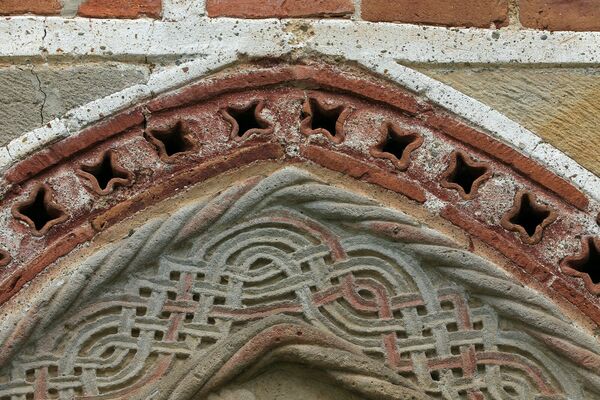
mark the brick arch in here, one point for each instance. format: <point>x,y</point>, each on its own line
<point>339,118</point>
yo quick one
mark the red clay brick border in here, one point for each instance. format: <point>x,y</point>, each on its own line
<point>326,77</point>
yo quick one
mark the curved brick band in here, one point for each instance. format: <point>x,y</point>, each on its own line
<point>340,119</point>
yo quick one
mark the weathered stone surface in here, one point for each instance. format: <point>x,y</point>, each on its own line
<point>559,104</point>
<point>285,382</point>
<point>285,268</point>
<point>34,95</point>
<point>481,13</point>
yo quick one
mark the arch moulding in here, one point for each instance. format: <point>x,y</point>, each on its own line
<point>273,209</point>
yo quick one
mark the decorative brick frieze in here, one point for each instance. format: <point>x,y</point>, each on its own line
<point>339,119</point>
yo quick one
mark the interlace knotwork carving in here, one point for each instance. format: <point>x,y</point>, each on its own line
<point>364,291</point>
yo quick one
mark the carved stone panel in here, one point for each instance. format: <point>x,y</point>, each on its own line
<point>285,270</point>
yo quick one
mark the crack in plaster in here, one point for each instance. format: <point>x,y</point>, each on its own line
<point>44,95</point>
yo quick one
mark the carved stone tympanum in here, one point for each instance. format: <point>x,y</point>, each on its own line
<point>285,269</point>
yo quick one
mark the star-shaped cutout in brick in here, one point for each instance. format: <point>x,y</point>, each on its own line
<point>586,264</point>
<point>39,210</point>
<point>327,120</point>
<point>172,140</point>
<point>465,175</point>
<point>5,258</point>
<point>105,174</point>
<point>528,218</point>
<point>396,145</point>
<point>246,120</point>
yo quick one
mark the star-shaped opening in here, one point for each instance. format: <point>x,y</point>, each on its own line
<point>325,120</point>
<point>397,145</point>
<point>465,175</point>
<point>106,173</point>
<point>39,211</point>
<point>586,264</point>
<point>528,218</point>
<point>172,140</point>
<point>246,120</point>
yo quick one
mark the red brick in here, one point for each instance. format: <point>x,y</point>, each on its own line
<point>279,8</point>
<point>480,13</point>
<point>39,7</point>
<point>349,166</point>
<point>120,8</point>
<point>561,15</point>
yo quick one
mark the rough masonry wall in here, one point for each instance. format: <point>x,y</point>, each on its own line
<point>577,15</point>
<point>34,94</point>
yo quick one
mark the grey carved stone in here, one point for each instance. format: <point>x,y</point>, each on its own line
<point>286,269</point>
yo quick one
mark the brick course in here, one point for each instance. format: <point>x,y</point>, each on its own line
<point>278,8</point>
<point>481,13</point>
<point>561,15</point>
<point>120,8</point>
<point>39,7</point>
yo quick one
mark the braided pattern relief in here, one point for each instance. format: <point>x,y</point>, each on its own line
<point>447,323</point>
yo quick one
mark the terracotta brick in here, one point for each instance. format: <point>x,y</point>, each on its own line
<point>481,13</point>
<point>120,8</point>
<point>561,15</point>
<point>39,7</point>
<point>278,8</point>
